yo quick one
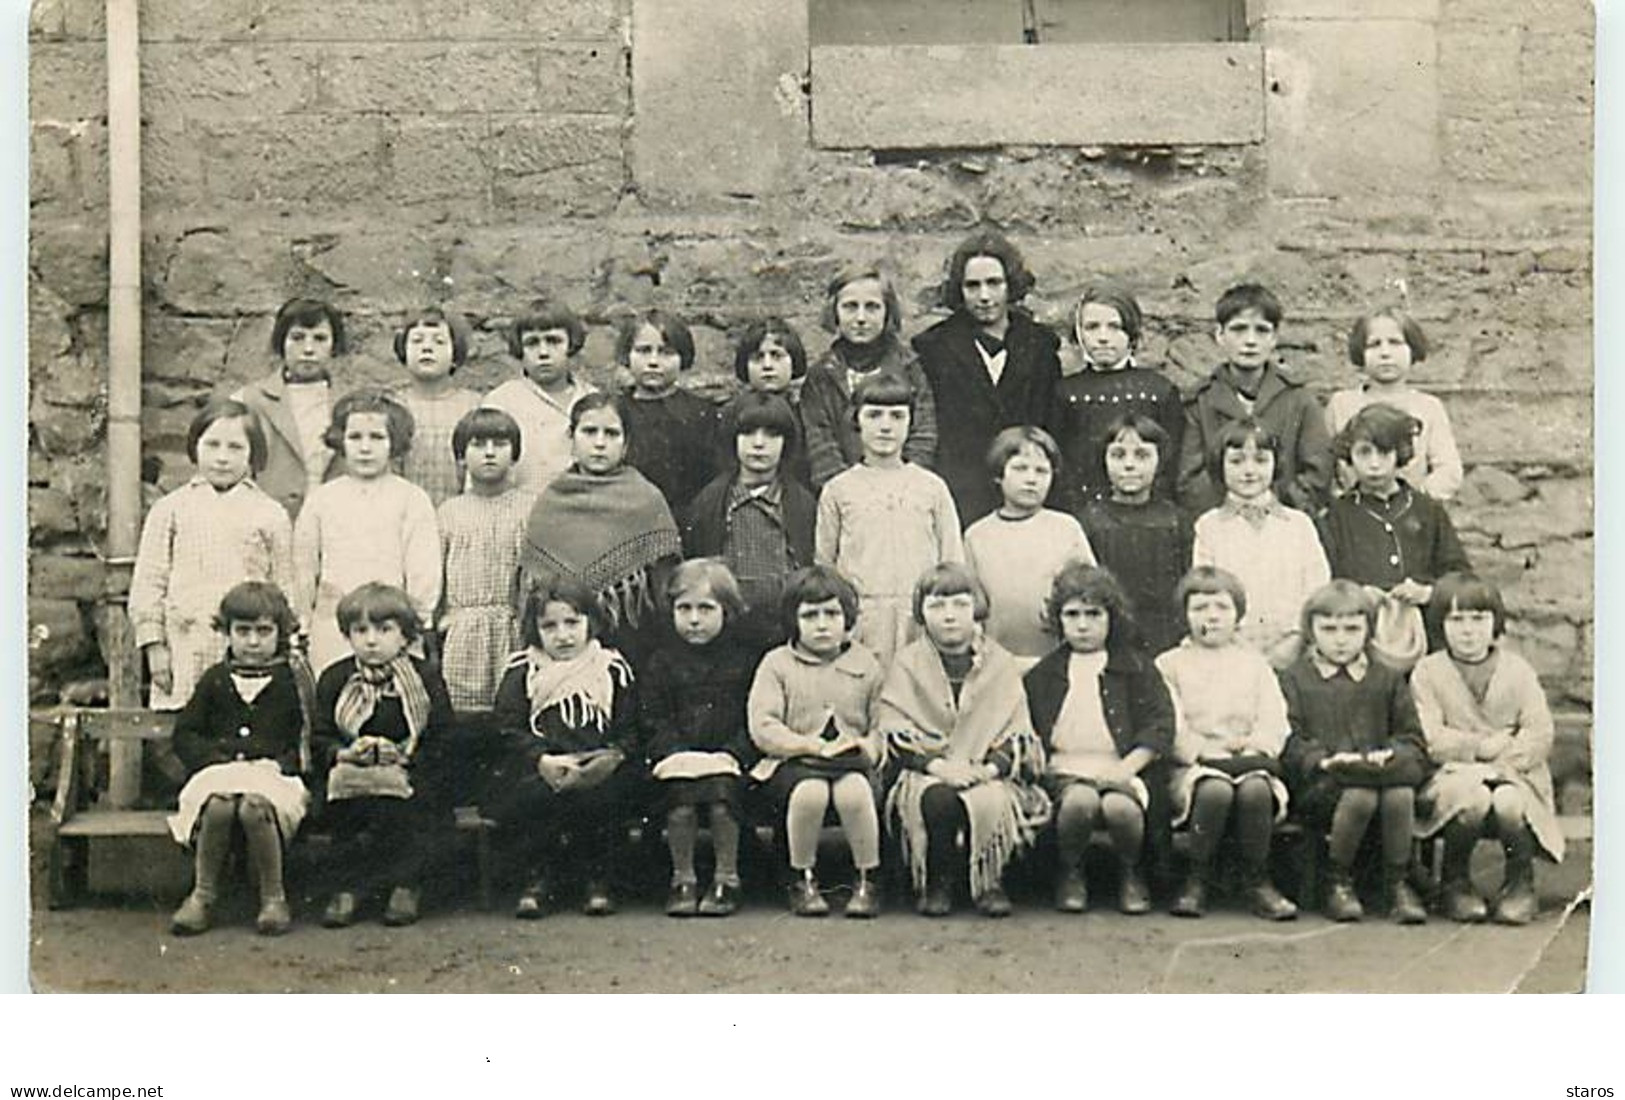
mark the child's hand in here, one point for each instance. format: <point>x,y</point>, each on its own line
<point>1339,760</point>
<point>160,666</point>
<point>844,743</point>
<point>956,773</point>
<point>1491,747</point>
<point>555,772</point>
<point>1236,743</point>
<point>1412,592</point>
<point>1379,757</point>
<point>600,767</point>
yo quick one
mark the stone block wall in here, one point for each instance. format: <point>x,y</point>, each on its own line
<point>389,154</point>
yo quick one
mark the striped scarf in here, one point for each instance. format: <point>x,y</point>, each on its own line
<point>369,683</point>
<point>304,682</point>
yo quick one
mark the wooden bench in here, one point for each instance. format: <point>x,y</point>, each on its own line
<point>80,813</point>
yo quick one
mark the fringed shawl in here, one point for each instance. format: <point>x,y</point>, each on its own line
<point>607,531</point>
<point>583,688</point>
<point>917,714</point>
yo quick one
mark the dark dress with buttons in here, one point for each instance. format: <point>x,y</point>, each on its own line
<point>1090,400</point>
<point>1147,547</point>
<point>218,726</point>
<point>692,699</point>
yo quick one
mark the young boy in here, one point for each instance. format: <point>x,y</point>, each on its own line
<point>431,346</point>
<point>1249,383</point>
<point>991,366</point>
<point>546,342</point>
<point>1016,551</point>
<point>481,533</point>
<point>672,432</point>
<point>756,519</point>
<point>1356,753</point>
<point>379,717</point>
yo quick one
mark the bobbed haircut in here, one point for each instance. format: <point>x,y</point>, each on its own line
<point>603,399</point>
<point>541,316</point>
<point>1098,587</point>
<point>1384,427</point>
<point>815,584</point>
<point>950,578</point>
<point>253,600</point>
<point>672,329</point>
<point>435,318</point>
<point>751,410</point>
<point>1339,597</point>
<point>375,602</point>
<point>882,388</point>
<point>483,423</point>
<point>547,588</point>
<point>228,409</point>
<point>856,273</point>
<point>399,418</point>
<point>1462,591</point>
<point>1019,280</point>
<point>1010,441</point>
<point>1408,327</point>
<point>707,575</point>
<point>1238,433</point>
<point>782,333</point>
<point>1117,297</point>
<point>1245,296</point>
<point>306,313</point>
<point>1141,425</point>
<point>1207,580</point>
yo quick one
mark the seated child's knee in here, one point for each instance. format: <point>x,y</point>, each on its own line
<point>220,809</point>
<point>1508,803</point>
<point>1398,798</point>
<point>256,809</point>
<point>680,815</point>
<point>1215,793</point>
<point>1080,800</point>
<point>1118,807</point>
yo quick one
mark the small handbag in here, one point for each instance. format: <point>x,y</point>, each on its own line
<point>1400,638</point>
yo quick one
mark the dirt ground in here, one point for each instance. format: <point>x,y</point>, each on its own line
<point>108,947</point>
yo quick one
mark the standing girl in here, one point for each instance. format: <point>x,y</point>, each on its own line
<point>1385,345</point>
<point>368,525</point>
<point>431,345</point>
<point>692,705</point>
<point>1230,727</point>
<point>674,431</point>
<point>1272,549</point>
<point>1017,550</point>
<point>1143,539</point>
<point>1103,714</point>
<point>954,713</point>
<point>568,721</point>
<point>244,737</point>
<point>292,402</point>
<point>756,518</point>
<point>546,341</point>
<point>480,534</point>
<point>1489,730</point>
<point>381,717</point>
<point>863,310</point>
<point>200,540</point>
<point>884,522</point>
<point>605,525</point>
<point>769,360</point>
<point>811,713</point>
<point>1107,324</point>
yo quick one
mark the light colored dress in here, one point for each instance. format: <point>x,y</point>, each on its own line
<point>1220,693</point>
<point>1016,561</point>
<point>196,544</point>
<point>352,531</point>
<point>430,464</point>
<point>881,527</point>
<point>1455,721</point>
<point>481,537</point>
<point>1436,466</point>
<point>544,429</point>
<point>1277,556</point>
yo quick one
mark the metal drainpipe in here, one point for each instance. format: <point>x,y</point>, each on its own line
<point>123,378</point>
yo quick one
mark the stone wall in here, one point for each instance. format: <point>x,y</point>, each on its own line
<point>395,153</point>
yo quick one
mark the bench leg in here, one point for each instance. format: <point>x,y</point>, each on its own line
<point>67,872</point>
<point>1309,887</point>
<point>482,855</point>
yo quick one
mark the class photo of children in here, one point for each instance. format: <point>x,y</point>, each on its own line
<point>591,549</point>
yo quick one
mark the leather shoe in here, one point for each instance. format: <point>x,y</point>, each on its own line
<point>192,918</point>
<point>805,898</point>
<point>1404,904</point>
<point>865,901</point>
<point>340,911</point>
<point>274,918</point>
<point>1517,904</point>
<point>1072,892</point>
<point>532,902</point>
<point>683,900</point>
<point>1269,903</point>
<point>1342,903</point>
<point>598,903</point>
<point>1462,903</point>
<point>994,902</point>
<point>402,908</point>
<point>1133,897</point>
<point>720,901</point>
<point>1192,899</point>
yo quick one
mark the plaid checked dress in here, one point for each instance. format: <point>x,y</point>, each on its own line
<point>430,465</point>
<point>480,538</point>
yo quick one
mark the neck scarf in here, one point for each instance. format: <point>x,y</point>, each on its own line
<point>252,678</point>
<point>367,684</point>
<point>862,358</point>
<point>583,688</point>
<point>1254,511</point>
<point>607,531</point>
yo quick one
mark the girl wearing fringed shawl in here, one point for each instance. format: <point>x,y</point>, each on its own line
<point>954,713</point>
<point>245,736</point>
<point>381,715</point>
<point>604,524</point>
<point>566,713</point>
